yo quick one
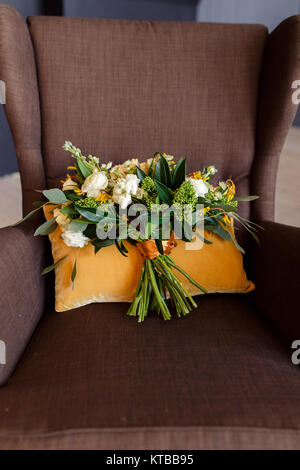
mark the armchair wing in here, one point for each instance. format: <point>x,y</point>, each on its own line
<point>275,266</point>
<point>22,291</point>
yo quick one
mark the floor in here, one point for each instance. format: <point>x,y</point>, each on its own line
<point>287,195</point>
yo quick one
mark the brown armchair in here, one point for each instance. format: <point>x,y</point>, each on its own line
<point>91,378</point>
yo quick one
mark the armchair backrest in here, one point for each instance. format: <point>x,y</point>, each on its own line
<point>218,93</point>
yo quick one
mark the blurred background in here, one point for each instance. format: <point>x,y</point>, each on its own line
<point>268,12</point>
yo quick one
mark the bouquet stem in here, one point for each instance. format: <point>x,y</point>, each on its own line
<point>157,284</point>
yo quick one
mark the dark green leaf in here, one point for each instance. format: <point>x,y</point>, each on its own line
<point>55,195</point>
<point>74,274</point>
<point>159,246</point>
<point>98,244</point>
<point>150,172</point>
<point>46,228</point>
<point>179,174</point>
<point>71,196</point>
<point>140,173</point>
<point>157,175</point>
<point>120,249</point>
<point>53,266</point>
<point>165,172</point>
<point>90,231</point>
<point>164,192</point>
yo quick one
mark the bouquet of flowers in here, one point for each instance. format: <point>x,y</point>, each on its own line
<point>149,204</point>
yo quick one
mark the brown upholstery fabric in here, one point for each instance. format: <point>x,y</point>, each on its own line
<point>276,112</point>
<point>120,89</point>
<point>93,378</point>
<point>18,71</point>
<point>22,299</point>
<point>93,374</point>
<point>275,270</point>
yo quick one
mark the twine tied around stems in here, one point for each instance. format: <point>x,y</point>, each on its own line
<point>148,249</point>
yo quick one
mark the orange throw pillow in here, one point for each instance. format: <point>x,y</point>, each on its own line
<point>110,277</point>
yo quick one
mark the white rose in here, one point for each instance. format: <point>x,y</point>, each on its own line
<point>123,199</point>
<point>75,239</point>
<point>131,184</point>
<point>94,183</point>
<point>69,184</point>
<point>199,186</point>
<point>62,219</point>
<point>140,194</point>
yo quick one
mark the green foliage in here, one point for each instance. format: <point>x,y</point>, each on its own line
<point>151,193</point>
<point>53,266</point>
<point>74,274</point>
<point>55,195</point>
<point>140,173</point>
<point>148,185</point>
<point>185,194</point>
<point>87,202</point>
<point>179,173</point>
<point>165,194</point>
<point>47,228</point>
<point>27,216</point>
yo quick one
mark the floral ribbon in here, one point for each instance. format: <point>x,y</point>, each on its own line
<point>148,249</point>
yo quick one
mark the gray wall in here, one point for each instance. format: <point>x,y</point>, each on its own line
<point>8,160</point>
<point>152,10</point>
<point>267,12</point>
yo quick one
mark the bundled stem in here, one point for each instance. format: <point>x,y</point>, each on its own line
<point>157,284</point>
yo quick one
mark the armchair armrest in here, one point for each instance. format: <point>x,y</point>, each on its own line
<point>276,269</point>
<point>22,292</point>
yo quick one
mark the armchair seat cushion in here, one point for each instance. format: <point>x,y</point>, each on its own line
<point>92,378</point>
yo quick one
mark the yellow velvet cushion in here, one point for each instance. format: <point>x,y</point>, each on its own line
<point>110,277</point>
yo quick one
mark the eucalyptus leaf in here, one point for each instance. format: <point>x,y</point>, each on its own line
<point>53,266</point>
<point>38,204</point>
<point>78,226</point>
<point>83,167</point>
<point>46,228</point>
<point>203,239</point>
<point>68,210</point>
<point>246,198</point>
<point>89,214</point>
<point>55,195</point>
<point>27,216</point>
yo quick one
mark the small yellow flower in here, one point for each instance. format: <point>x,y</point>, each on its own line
<point>230,191</point>
<point>78,192</point>
<point>197,175</point>
<point>103,197</point>
<point>72,168</point>
<point>227,220</point>
<point>204,211</point>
